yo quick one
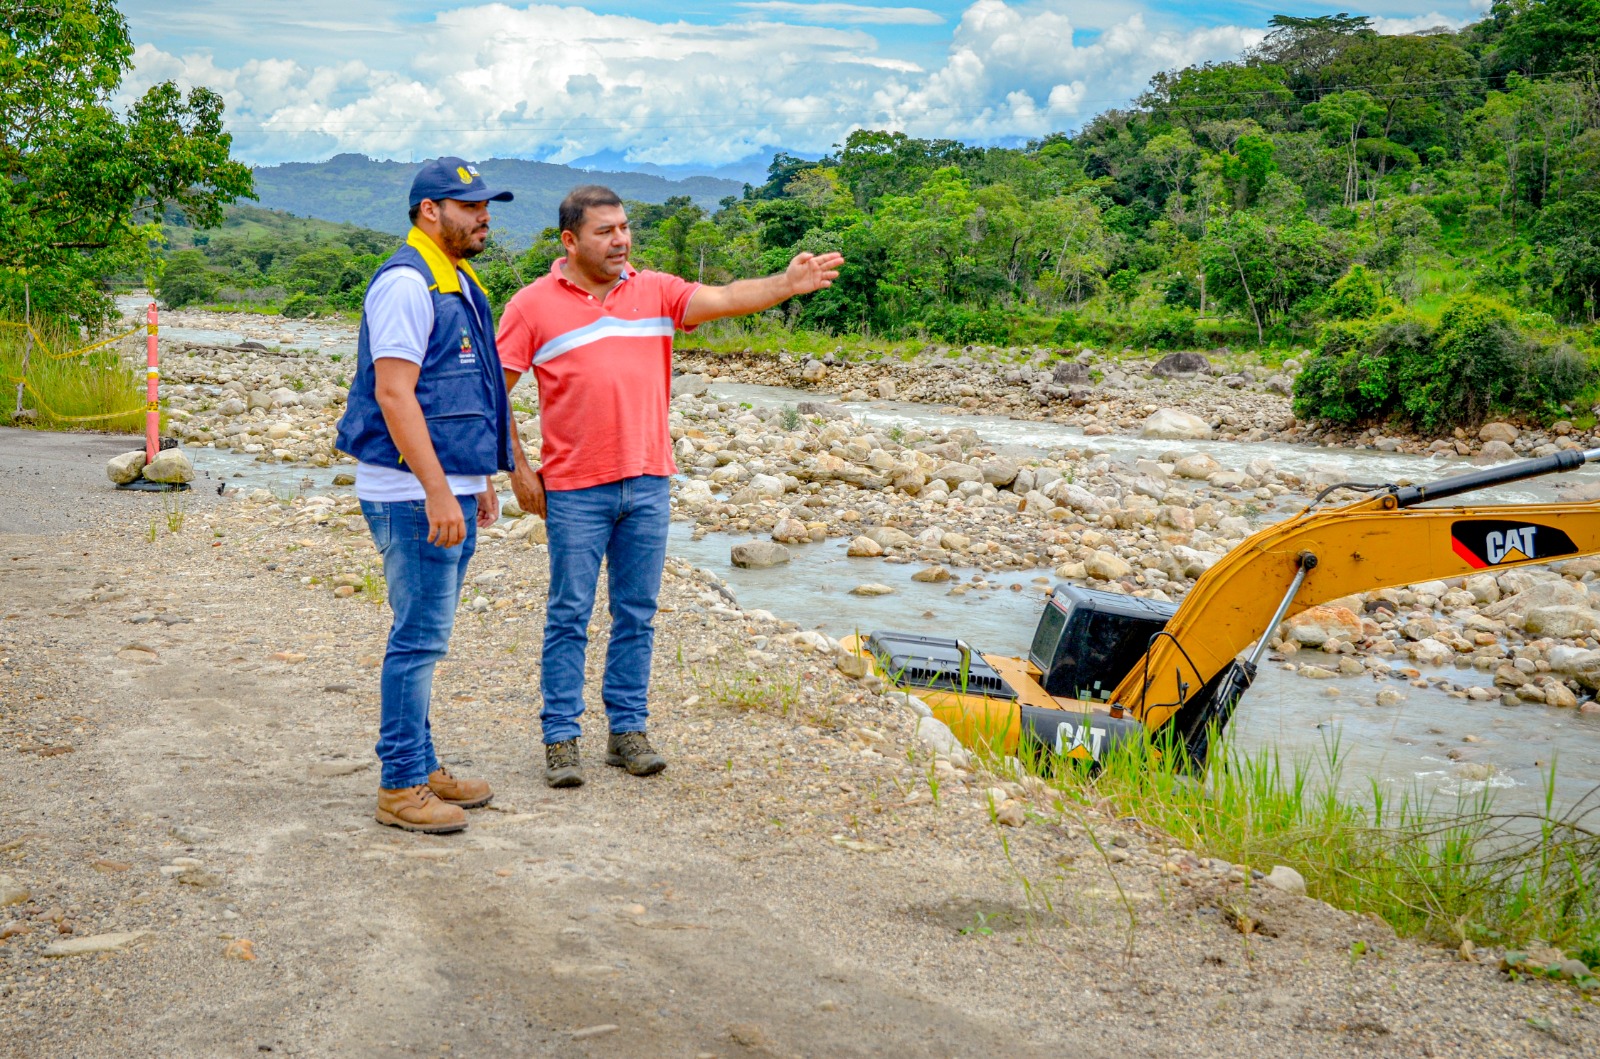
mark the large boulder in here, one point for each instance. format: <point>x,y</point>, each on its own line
<point>814,371</point>
<point>125,468</point>
<point>758,555</point>
<point>1104,566</point>
<point>170,467</point>
<point>1315,626</point>
<point>1559,593</point>
<point>1198,467</point>
<point>887,537</point>
<point>1076,497</point>
<point>694,491</point>
<point>1562,622</point>
<point>766,485</point>
<point>1172,424</point>
<point>953,474</point>
<point>690,384</point>
<point>1497,451</point>
<point>1577,662</point>
<point>1181,366</point>
<point>865,548</point>
<point>1069,373</point>
<point>1192,562</point>
<point>998,472</point>
<point>1497,432</point>
<point>790,531</point>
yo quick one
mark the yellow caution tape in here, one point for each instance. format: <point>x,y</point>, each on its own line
<point>39,398</point>
<point>45,348</point>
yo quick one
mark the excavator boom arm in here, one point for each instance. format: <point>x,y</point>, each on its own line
<point>1373,543</point>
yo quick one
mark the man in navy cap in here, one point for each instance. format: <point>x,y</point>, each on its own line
<point>428,422</point>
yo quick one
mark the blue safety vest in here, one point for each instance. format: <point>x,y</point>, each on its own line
<point>460,387</point>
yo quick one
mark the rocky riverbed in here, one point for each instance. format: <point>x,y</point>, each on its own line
<point>188,864</point>
<point>811,474</point>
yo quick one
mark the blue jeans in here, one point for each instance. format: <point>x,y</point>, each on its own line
<point>625,523</point>
<point>424,585</point>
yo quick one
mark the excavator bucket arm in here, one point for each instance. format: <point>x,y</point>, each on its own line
<point>1378,542</point>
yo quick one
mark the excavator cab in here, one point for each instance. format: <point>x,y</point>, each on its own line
<point>1088,640</point>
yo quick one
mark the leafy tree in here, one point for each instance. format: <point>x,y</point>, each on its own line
<point>1304,48</point>
<point>1570,231</point>
<point>930,236</point>
<point>186,279</point>
<point>1226,92</point>
<point>1344,117</point>
<point>1473,365</point>
<point>1267,269</point>
<point>1422,84</point>
<point>1354,297</point>
<point>82,186</point>
<point>1545,36</point>
<point>1071,242</point>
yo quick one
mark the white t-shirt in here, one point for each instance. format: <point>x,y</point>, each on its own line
<point>399,319</point>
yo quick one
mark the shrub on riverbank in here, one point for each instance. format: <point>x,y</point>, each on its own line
<point>1476,362</point>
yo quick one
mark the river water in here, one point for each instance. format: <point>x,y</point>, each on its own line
<point>1407,747</point>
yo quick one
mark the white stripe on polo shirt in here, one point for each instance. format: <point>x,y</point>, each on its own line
<point>608,327</point>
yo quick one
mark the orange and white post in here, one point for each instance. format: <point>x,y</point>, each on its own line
<point>152,377</point>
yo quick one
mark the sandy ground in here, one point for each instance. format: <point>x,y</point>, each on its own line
<point>186,727</point>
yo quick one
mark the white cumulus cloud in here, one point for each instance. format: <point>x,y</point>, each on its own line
<point>559,83</point>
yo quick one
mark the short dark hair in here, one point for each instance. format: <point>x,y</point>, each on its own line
<point>569,218</point>
<point>414,212</point>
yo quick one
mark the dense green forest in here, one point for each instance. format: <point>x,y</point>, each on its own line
<point>1425,209</point>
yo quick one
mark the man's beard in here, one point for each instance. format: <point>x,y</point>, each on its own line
<point>458,239</point>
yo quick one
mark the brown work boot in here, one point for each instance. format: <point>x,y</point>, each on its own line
<point>419,809</point>
<point>469,794</point>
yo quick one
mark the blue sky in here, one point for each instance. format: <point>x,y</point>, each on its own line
<point>697,83</point>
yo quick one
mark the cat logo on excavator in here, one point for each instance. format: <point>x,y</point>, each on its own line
<point>1487,542</point>
<point>1070,737</point>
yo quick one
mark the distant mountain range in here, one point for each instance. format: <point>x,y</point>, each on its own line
<point>358,190</point>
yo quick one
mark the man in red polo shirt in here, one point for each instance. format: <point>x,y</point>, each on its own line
<point>598,336</point>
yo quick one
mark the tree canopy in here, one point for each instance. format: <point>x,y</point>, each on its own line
<point>85,186</point>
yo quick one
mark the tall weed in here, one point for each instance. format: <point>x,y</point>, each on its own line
<point>1436,871</point>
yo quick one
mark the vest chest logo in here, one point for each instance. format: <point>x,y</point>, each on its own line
<point>465,355</point>
<point>1491,542</point>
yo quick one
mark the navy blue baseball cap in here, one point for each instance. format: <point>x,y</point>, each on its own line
<point>453,178</point>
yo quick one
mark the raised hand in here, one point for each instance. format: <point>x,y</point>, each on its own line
<point>813,272</point>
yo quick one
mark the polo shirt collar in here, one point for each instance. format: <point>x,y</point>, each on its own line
<point>628,272</point>
<point>445,279</point>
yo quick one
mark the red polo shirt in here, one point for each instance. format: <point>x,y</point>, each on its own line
<point>604,370</point>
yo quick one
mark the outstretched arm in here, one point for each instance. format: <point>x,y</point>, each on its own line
<point>806,273</point>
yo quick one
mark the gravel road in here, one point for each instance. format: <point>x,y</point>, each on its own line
<point>186,727</point>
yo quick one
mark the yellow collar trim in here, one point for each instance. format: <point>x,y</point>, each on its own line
<point>444,277</point>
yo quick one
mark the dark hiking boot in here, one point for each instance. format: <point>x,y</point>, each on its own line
<point>561,766</point>
<point>631,751</point>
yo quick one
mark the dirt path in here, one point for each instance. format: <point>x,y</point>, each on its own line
<point>188,755</point>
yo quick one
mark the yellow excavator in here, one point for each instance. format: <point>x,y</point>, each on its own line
<point>1104,667</point>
